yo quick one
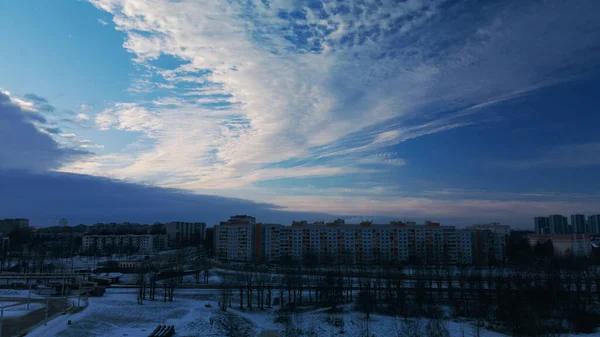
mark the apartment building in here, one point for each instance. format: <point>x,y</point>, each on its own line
<point>185,233</point>
<point>123,243</point>
<point>235,239</point>
<point>337,242</point>
<point>490,242</point>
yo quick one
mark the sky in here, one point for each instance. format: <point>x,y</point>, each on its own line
<point>448,110</point>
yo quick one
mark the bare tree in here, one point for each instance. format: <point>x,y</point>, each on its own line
<point>141,278</point>
<point>172,286</point>
<point>436,328</point>
<point>412,328</point>
<point>249,278</point>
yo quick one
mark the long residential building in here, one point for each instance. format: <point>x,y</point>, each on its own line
<point>242,239</point>
<point>145,243</point>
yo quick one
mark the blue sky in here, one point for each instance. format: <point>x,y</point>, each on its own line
<point>459,111</point>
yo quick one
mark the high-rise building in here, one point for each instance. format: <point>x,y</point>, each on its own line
<point>578,224</point>
<point>235,239</point>
<point>558,224</point>
<point>594,224</point>
<point>185,233</point>
<point>542,225</point>
<point>63,223</point>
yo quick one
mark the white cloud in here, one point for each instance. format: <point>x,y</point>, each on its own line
<point>383,77</point>
<point>68,135</point>
<point>128,117</point>
<point>102,22</point>
<point>382,160</point>
<point>82,117</point>
<point>86,107</point>
<point>88,144</point>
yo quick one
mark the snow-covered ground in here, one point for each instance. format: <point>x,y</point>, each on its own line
<point>19,293</point>
<point>118,314</point>
<point>20,309</point>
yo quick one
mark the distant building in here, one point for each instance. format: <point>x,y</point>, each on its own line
<point>578,224</point>
<point>9,225</point>
<point>144,243</point>
<point>558,224</point>
<point>490,242</point>
<point>564,244</point>
<point>594,224</point>
<point>542,225</point>
<point>185,233</point>
<point>63,223</point>
<point>494,227</point>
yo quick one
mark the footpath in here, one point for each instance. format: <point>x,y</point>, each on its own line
<point>15,326</point>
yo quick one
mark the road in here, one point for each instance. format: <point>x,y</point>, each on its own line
<point>13,325</point>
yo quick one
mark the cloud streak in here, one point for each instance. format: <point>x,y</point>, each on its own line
<point>263,83</point>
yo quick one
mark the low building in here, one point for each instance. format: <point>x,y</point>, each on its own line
<point>123,244</point>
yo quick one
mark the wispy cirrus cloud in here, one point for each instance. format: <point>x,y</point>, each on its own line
<point>257,83</point>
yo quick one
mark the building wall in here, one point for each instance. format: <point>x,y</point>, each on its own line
<point>141,243</point>
<point>542,225</point>
<point>340,243</point>
<point>578,224</point>
<point>594,224</point>
<point>235,242</point>
<point>558,224</point>
<point>185,232</point>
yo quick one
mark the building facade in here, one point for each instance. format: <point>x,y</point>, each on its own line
<point>491,241</point>
<point>235,239</point>
<point>578,224</point>
<point>103,244</point>
<point>542,225</point>
<point>340,243</point>
<point>558,224</point>
<point>185,233</point>
<point>594,224</point>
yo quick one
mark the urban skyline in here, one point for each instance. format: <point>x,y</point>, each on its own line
<point>299,168</point>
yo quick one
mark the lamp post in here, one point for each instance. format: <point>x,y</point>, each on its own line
<point>46,311</point>
<point>1,320</point>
